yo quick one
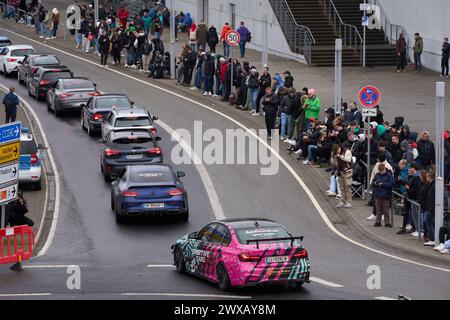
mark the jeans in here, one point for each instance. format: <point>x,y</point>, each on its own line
<point>55,30</point>
<point>42,28</point>
<point>208,83</point>
<point>334,185</point>
<point>193,46</point>
<point>444,65</point>
<point>226,49</point>
<point>254,96</point>
<point>79,39</point>
<point>311,149</point>
<point>285,124</point>
<point>242,48</point>
<point>418,61</point>
<point>428,221</point>
<point>218,86</point>
<point>198,78</point>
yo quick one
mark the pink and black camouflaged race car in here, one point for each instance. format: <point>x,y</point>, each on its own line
<point>243,252</point>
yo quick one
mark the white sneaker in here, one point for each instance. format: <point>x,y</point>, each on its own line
<point>292,142</point>
<point>340,204</point>
<point>210,94</point>
<point>42,37</point>
<point>205,93</point>
<point>126,66</point>
<point>133,66</point>
<point>415,234</point>
<point>371,217</point>
<point>306,162</point>
<point>298,151</point>
<point>429,243</point>
<point>252,112</point>
<point>47,38</point>
<point>331,194</point>
<point>445,251</point>
<point>439,247</point>
<point>256,114</point>
<point>215,96</point>
<point>348,205</point>
<point>193,88</point>
<point>408,227</point>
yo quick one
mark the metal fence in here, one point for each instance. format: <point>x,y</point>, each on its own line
<point>348,33</point>
<point>398,206</point>
<point>299,38</point>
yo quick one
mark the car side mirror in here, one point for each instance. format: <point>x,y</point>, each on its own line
<point>132,103</point>
<point>95,84</point>
<point>193,235</point>
<point>158,138</point>
<point>19,62</point>
<point>82,105</point>
<point>41,146</point>
<point>154,118</point>
<point>181,174</point>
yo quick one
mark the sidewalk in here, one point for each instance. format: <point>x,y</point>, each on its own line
<point>417,94</point>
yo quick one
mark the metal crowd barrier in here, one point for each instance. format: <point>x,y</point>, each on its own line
<point>416,211</point>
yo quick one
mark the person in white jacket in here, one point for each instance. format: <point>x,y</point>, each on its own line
<point>345,166</point>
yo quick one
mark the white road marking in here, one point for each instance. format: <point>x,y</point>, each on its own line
<point>6,295</point>
<point>52,266</point>
<point>325,282</point>
<point>384,298</point>
<point>57,183</point>
<point>160,266</point>
<point>193,295</point>
<point>280,158</point>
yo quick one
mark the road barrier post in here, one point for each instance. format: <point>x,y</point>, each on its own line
<point>173,58</point>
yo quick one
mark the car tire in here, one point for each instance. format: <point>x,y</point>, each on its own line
<point>178,260</point>
<point>113,206</point>
<point>89,130</point>
<point>106,177</point>
<point>184,216</point>
<point>38,185</point>
<point>5,73</point>
<point>223,280</point>
<point>29,92</point>
<point>82,122</point>
<point>56,111</point>
<point>120,219</point>
<point>18,78</point>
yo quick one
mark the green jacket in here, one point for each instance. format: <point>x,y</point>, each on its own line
<point>418,45</point>
<point>314,108</point>
<point>147,22</point>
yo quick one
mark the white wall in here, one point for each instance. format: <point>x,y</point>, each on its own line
<point>429,18</point>
<point>249,11</point>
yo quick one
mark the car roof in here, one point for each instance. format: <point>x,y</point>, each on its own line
<point>74,79</point>
<point>132,132</point>
<point>4,38</point>
<point>20,46</point>
<point>110,95</point>
<point>151,168</point>
<point>130,112</point>
<point>33,55</point>
<point>240,223</point>
<point>53,67</point>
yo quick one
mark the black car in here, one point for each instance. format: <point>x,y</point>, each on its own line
<point>100,106</point>
<point>128,147</point>
<point>70,94</point>
<point>44,78</point>
<point>32,62</point>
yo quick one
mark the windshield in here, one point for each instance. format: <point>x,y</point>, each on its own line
<point>108,102</point>
<point>78,84</point>
<point>132,122</point>
<point>21,52</point>
<point>245,234</point>
<point>53,76</point>
<point>46,60</point>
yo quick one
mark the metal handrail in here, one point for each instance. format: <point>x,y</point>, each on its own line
<point>413,203</point>
<point>349,33</point>
<point>299,38</point>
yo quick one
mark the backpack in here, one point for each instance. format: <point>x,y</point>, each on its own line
<point>249,37</point>
<point>147,48</point>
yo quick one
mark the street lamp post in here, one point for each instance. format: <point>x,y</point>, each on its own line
<point>338,76</point>
<point>172,40</point>
<point>439,181</point>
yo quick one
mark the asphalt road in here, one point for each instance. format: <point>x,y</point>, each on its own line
<point>114,258</point>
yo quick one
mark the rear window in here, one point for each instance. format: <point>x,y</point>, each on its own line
<point>132,122</point>
<point>245,234</point>
<point>27,147</point>
<point>45,60</point>
<point>118,102</point>
<point>53,76</point>
<point>21,52</point>
<point>133,143</point>
<point>5,42</point>
<point>151,177</point>
<point>78,84</point>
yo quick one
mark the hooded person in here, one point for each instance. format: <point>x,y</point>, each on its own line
<point>278,83</point>
<point>329,118</point>
<point>212,38</point>
<point>202,35</point>
<point>312,105</point>
<point>407,149</point>
<point>55,21</point>
<point>186,23</point>
<point>288,79</point>
<point>426,150</point>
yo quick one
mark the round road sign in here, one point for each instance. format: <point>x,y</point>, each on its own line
<point>369,96</point>
<point>232,38</point>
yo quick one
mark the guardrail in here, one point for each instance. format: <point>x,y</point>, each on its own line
<point>348,33</point>
<point>299,38</point>
<point>416,211</point>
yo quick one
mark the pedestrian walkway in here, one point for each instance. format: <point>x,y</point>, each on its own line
<point>409,94</point>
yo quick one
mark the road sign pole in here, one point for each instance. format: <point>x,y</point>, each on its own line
<point>96,10</point>
<point>3,218</point>
<point>364,40</point>
<point>231,84</point>
<point>439,187</point>
<point>338,77</point>
<point>368,156</point>
<point>265,55</point>
<point>172,40</point>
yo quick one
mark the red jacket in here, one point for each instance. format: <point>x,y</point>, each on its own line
<point>224,32</point>
<point>123,16</point>
<point>223,71</point>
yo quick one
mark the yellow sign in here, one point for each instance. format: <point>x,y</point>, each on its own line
<point>10,152</point>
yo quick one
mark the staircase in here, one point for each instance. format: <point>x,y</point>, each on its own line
<point>378,51</point>
<point>311,14</point>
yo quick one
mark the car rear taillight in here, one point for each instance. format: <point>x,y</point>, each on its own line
<point>65,95</point>
<point>97,116</point>
<point>247,257</point>
<point>11,59</point>
<point>110,152</point>
<point>154,130</point>
<point>94,94</point>
<point>130,193</point>
<point>154,151</point>
<point>44,82</point>
<point>33,70</point>
<point>175,192</point>
<point>34,158</point>
<point>302,254</point>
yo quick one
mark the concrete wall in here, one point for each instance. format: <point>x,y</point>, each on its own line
<point>429,18</point>
<point>250,11</point>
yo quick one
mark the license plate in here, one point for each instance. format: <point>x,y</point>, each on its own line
<point>153,205</point>
<point>135,157</point>
<point>277,259</point>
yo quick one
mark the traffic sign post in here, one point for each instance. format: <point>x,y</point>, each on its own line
<point>369,97</point>
<point>232,38</point>
<point>9,171</point>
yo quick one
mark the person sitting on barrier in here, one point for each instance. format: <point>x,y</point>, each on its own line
<point>17,210</point>
<point>411,185</point>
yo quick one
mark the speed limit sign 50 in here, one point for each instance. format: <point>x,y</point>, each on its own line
<point>232,38</point>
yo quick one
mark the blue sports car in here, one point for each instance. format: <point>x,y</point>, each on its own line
<point>149,190</point>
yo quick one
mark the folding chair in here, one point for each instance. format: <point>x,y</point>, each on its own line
<point>358,189</point>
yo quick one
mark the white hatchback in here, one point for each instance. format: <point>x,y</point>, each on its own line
<point>11,55</point>
<point>30,164</point>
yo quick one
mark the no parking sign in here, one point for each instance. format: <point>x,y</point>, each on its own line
<point>369,96</point>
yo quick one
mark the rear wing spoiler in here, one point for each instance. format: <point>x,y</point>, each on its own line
<point>292,239</point>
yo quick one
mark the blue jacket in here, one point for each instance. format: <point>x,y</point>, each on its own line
<point>187,21</point>
<point>243,32</point>
<point>279,82</point>
<point>382,185</point>
<point>10,99</point>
